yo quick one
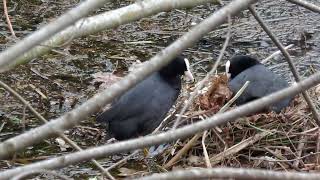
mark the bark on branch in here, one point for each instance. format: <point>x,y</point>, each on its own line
<point>288,58</point>
<point>8,56</point>
<point>232,173</point>
<point>169,136</point>
<point>306,5</point>
<point>14,55</point>
<point>74,117</point>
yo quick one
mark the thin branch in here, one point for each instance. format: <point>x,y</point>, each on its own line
<point>13,55</point>
<point>306,5</point>
<point>205,152</point>
<point>287,160</point>
<point>36,172</point>
<point>74,117</point>
<point>122,160</point>
<point>289,60</point>
<point>205,79</point>
<point>168,136</point>
<point>301,144</point>
<point>5,9</point>
<point>317,149</point>
<point>238,147</point>
<point>182,151</point>
<point>232,173</point>
<point>8,56</point>
<point>280,157</point>
<point>194,139</point>
<point>189,145</point>
<point>41,118</point>
<point>235,97</point>
<point>2,125</point>
<point>275,54</point>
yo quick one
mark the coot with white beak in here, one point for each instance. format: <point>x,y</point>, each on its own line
<point>262,81</point>
<point>141,109</point>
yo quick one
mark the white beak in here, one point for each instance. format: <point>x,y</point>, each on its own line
<point>227,69</point>
<point>188,73</point>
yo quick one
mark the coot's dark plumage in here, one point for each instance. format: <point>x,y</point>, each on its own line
<point>141,109</point>
<point>262,81</point>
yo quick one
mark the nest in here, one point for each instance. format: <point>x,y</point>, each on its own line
<point>274,141</point>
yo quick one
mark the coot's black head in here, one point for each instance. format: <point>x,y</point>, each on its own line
<point>177,67</point>
<point>237,64</point>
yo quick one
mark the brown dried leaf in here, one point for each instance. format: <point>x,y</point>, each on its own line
<point>217,95</point>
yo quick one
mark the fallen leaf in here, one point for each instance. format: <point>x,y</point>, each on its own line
<point>124,172</point>
<point>216,95</point>
<point>195,160</point>
<point>62,144</point>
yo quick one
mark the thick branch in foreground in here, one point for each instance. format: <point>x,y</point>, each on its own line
<point>8,56</point>
<point>74,117</point>
<point>83,27</point>
<point>38,172</point>
<point>41,118</point>
<point>306,5</point>
<point>169,136</point>
<point>237,173</point>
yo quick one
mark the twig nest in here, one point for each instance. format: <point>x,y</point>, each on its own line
<point>216,95</point>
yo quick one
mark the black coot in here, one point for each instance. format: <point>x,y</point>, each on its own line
<point>262,81</point>
<point>141,109</point>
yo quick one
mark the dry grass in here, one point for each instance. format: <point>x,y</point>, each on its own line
<point>285,141</point>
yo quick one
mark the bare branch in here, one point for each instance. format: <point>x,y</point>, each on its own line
<point>205,152</point>
<point>83,27</point>
<point>235,97</point>
<point>168,136</point>
<point>5,9</point>
<point>301,145</point>
<point>74,117</point>
<point>286,160</point>
<point>122,160</point>
<point>238,147</point>
<point>8,56</point>
<point>35,172</point>
<point>41,118</point>
<point>205,79</point>
<point>232,173</point>
<point>275,54</point>
<point>289,60</point>
<point>306,5</point>
<point>182,151</point>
